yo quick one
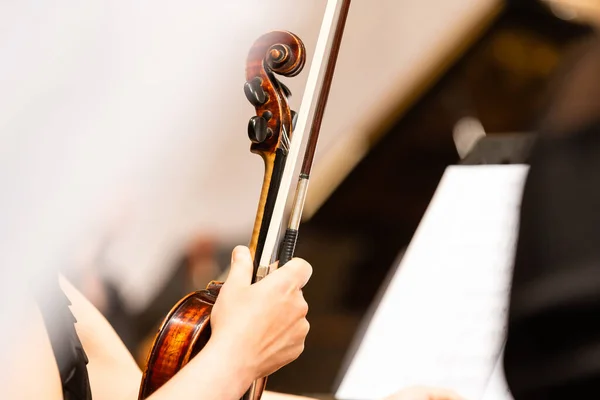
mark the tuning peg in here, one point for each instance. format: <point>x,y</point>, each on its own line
<point>258,131</point>
<point>254,92</point>
<point>294,119</point>
<point>267,115</point>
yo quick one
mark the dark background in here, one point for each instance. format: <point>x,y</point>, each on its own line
<point>354,239</point>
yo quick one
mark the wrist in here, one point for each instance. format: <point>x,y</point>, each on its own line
<point>234,361</point>
<point>216,372</point>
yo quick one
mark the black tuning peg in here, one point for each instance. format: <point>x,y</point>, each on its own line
<point>258,131</point>
<point>254,92</point>
<point>294,119</point>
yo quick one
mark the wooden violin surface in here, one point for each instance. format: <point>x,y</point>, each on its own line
<point>183,334</point>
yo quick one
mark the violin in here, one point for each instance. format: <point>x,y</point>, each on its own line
<point>276,133</point>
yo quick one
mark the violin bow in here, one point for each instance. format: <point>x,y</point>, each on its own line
<point>288,244</point>
<point>311,114</point>
<point>268,225</point>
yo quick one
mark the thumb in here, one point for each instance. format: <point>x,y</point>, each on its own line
<point>240,272</point>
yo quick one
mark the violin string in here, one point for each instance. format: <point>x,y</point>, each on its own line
<point>285,140</point>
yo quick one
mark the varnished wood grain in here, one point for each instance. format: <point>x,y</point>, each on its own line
<point>269,160</point>
<point>259,58</point>
<point>184,333</point>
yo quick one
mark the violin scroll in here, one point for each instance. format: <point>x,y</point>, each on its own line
<point>281,53</point>
<point>282,60</point>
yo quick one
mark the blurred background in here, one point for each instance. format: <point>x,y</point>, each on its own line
<point>125,154</point>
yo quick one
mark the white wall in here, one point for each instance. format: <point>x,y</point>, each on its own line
<point>135,110</point>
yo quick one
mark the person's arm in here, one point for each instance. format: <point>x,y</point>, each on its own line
<point>115,375</point>
<point>256,329</point>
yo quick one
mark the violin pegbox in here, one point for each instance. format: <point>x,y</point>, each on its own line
<point>275,53</point>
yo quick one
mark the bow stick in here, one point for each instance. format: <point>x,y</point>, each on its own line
<point>288,244</point>
<point>334,21</point>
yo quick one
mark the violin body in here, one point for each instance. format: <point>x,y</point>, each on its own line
<point>184,332</point>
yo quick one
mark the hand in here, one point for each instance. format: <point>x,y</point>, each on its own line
<point>424,393</point>
<point>262,325</point>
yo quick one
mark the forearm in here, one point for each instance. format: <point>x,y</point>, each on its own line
<point>212,374</point>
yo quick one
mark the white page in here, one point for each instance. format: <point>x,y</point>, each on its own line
<point>441,321</point>
<point>496,388</point>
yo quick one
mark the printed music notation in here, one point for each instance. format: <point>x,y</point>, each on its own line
<point>441,321</point>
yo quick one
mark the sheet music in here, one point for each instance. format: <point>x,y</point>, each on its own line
<point>496,388</point>
<point>441,321</point>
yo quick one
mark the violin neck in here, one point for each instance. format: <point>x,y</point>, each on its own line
<point>274,167</point>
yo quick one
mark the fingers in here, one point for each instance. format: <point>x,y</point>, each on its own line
<point>301,270</point>
<point>295,274</point>
<point>240,272</point>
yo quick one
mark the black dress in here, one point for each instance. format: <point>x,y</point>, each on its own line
<point>70,356</point>
<point>553,344</point>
